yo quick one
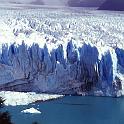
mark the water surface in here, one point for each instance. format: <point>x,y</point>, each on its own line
<point>73,110</point>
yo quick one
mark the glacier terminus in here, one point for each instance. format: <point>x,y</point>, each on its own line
<point>62,51</point>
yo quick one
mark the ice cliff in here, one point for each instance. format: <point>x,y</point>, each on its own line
<point>83,70</point>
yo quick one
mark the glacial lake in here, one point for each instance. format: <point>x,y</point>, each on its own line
<point>72,110</point>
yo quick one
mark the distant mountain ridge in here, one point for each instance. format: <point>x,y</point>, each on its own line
<point>117,5</point>
<point>85,3</point>
<point>37,2</point>
<point>70,3</point>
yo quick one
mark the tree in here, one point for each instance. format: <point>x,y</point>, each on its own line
<point>34,123</point>
<point>5,117</point>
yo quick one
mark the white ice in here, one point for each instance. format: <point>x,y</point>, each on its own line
<point>31,111</point>
<point>20,98</point>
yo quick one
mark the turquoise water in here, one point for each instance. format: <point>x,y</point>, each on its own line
<point>73,110</point>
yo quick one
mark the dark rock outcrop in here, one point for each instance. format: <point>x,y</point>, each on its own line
<point>115,5</point>
<point>85,3</point>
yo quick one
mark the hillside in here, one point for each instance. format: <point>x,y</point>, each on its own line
<point>85,3</point>
<point>117,5</point>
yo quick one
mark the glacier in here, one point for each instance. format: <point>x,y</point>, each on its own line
<point>62,51</point>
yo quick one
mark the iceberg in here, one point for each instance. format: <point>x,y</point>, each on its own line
<point>31,111</point>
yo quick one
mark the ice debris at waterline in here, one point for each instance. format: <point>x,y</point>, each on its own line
<point>20,98</point>
<point>62,51</point>
<point>31,111</point>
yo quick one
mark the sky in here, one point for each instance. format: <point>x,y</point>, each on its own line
<point>18,1</point>
<point>48,2</point>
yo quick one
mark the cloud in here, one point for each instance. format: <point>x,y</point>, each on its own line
<point>16,1</point>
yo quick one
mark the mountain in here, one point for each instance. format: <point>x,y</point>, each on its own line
<point>37,2</point>
<point>85,3</point>
<point>15,2</point>
<point>117,5</point>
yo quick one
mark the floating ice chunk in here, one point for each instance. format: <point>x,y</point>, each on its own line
<point>31,110</point>
<point>21,98</point>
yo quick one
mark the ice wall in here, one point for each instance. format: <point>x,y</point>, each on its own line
<point>81,70</point>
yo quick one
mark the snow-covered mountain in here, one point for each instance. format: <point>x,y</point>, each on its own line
<point>62,51</point>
